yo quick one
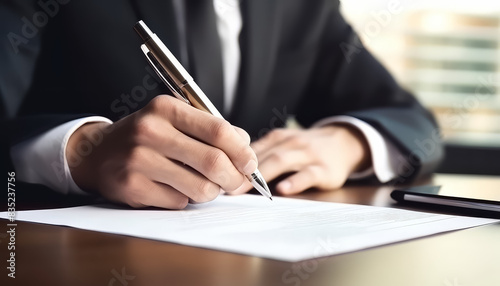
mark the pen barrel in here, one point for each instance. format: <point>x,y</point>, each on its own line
<point>143,31</point>
<point>198,99</point>
<point>163,56</point>
<point>176,72</point>
<point>168,61</point>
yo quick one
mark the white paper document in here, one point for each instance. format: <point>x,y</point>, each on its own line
<point>284,229</point>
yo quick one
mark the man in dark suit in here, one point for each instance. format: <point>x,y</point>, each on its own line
<point>83,113</point>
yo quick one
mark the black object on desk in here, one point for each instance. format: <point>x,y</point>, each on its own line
<point>436,195</point>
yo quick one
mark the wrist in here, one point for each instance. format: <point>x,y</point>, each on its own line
<point>356,146</point>
<point>80,153</point>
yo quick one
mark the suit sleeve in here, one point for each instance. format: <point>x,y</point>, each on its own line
<point>21,46</point>
<point>350,81</point>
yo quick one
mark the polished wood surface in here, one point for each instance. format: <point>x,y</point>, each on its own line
<point>53,255</point>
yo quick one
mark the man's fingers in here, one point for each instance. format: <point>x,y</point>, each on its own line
<point>283,161</point>
<point>182,178</point>
<point>164,196</point>
<point>306,178</point>
<point>244,188</point>
<point>192,184</point>
<point>211,162</point>
<point>279,163</point>
<point>207,128</point>
<point>138,191</point>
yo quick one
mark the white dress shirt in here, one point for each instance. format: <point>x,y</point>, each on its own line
<point>42,159</point>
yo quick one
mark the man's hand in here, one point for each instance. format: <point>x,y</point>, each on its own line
<point>320,158</point>
<point>164,155</point>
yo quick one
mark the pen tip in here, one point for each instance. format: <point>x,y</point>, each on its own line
<point>271,198</point>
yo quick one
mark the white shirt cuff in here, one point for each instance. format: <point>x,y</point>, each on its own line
<point>42,159</point>
<point>383,151</point>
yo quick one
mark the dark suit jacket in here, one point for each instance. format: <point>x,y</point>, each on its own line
<point>299,58</point>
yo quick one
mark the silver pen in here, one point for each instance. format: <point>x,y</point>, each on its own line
<point>182,85</point>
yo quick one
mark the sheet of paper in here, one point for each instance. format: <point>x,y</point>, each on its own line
<point>284,229</point>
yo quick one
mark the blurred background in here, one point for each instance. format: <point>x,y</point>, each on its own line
<point>448,54</point>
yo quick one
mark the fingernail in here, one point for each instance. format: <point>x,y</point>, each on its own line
<point>284,186</point>
<point>250,167</point>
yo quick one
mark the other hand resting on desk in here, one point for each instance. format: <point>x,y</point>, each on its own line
<point>322,157</point>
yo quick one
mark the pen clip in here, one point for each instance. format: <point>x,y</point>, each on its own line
<point>153,62</point>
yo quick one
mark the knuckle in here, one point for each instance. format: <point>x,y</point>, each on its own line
<point>166,106</point>
<point>132,194</point>
<point>128,181</point>
<point>220,131</point>
<point>135,158</point>
<point>213,160</point>
<point>234,183</point>
<point>314,172</point>
<point>277,134</point>
<point>224,178</point>
<point>144,130</point>
<point>229,181</point>
<point>159,103</point>
<point>175,109</point>
<point>278,158</point>
<point>154,105</point>
<point>299,141</point>
<point>244,154</point>
<point>205,191</point>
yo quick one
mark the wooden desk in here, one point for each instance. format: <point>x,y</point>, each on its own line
<point>51,255</point>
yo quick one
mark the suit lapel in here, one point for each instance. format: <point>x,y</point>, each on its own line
<point>258,41</point>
